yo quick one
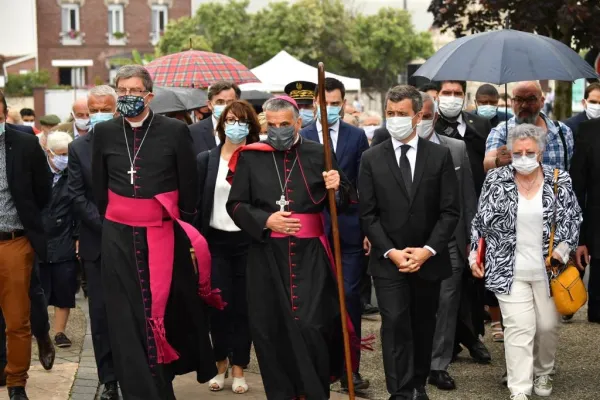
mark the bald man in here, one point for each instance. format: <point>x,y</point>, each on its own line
<point>80,122</point>
<point>527,104</point>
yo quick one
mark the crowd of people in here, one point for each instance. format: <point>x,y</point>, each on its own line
<point>197,241</point>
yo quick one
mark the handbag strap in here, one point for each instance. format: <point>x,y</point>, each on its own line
<point>553,229</point>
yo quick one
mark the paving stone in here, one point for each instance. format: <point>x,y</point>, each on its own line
<point>84,390</point>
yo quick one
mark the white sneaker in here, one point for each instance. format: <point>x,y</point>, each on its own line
<point>542,385</point>
<point>519,396</point>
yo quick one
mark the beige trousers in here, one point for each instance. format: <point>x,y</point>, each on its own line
<point>530,335</point>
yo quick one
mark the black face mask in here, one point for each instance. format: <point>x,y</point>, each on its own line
<point>281,138</point>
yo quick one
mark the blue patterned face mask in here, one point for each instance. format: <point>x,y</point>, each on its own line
<point>130,106</point>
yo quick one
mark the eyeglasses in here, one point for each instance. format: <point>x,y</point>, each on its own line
<point>232,121</point>
<point>529,154</point>
<point>529,100</point>
<point>131,92</point>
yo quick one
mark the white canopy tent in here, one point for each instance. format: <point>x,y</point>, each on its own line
<point>284,68</point>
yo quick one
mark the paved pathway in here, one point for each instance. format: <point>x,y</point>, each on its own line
<point>74,374</point>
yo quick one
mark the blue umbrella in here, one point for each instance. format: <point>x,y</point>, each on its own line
<point>505,56</point>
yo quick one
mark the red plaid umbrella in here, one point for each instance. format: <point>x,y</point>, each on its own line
<point>198,69</point>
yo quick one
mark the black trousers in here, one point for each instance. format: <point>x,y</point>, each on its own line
<point>408,307</point>
<point>40,324</point>
<point>594,290</point>
<point>229,328</point>
<point>99,322</point>
<point>365,284</point>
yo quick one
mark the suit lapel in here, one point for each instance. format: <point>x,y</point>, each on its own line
<point>342,143</point>
<point>209,134</point>
<point>213,168</point>
<point>390,157</point>
<point>419,166</point>
<point>311,132</point>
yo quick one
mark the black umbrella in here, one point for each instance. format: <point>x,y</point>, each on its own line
<point>171,99</point>
<point>505,56</point>
<point>256,97</point>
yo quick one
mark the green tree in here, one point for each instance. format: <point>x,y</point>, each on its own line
<point>20,85</point>
<point>383,44</point>
<point>572,22</point>
<point>136,58</point>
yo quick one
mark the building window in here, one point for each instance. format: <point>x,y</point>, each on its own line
<point>72,76</point>
<point>116,25</point>
<point>160,16</point>
<point>70,33</point>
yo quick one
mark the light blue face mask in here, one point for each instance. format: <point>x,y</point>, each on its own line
<point>307,116</point>
<point>2,128</point>
<point>100,117</point>
<point>487,111</point>
<point>60,162</point>
<point>236,133</point>
<point>218,110</point>
<point>333,114</point>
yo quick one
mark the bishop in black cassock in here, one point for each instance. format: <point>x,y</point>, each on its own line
<point>293,303</point>
<point>163,162</point>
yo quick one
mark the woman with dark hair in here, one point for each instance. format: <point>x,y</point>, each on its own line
<point>237,126</point>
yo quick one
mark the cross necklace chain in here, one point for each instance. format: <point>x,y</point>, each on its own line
<point>282,202</point>
<point>132,170</point>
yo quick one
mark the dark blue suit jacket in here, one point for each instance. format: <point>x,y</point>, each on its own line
<point>351,144</point>
<point>575,120</point>
<point>22,128</point>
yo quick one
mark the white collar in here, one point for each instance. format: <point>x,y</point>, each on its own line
<point>140,123</point>
<point>335,127</point>
<point>434,138</point>
<point>414,143</point>
<point>459,119</point>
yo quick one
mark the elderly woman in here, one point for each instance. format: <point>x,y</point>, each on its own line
<point>516,210</point>
<point>237,126</point>
<point>58,272</point>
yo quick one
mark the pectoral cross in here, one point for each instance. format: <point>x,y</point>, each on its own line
<point>131,172</point>
<point>282,203</point>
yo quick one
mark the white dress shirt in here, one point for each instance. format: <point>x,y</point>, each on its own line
<point>434,138</point>
<point>219,218</point>
<point>411,154</point>
<point>462,125</point>
<point>215,122</point>
<point>333,133</point>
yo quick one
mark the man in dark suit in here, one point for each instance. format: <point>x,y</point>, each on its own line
<point>585,170</point>
<point>21,128</point>
<point>591,105</point>
<point>409,209</point>
<point>25,188</point>
<point>102,103</point>
<point>348,143</point>
<point>220,95</point>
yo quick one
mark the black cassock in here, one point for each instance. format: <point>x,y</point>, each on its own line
<point>164,163</point>
<point>293,303</point>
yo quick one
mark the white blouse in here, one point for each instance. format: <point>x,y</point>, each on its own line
<point>529,258</point>
<point>219,219</point>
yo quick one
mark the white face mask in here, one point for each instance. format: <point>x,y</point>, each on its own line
<point>29,123</point>
<point>525,165</point>
<point>425,128</point>
<point>82,123</point>
<point>399,127</point>
<point>592,110</point>
<point>370,131</point>
<point>450,106</point>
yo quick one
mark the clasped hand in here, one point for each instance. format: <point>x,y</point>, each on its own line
<point>409,260</point>
<point>332,179</point>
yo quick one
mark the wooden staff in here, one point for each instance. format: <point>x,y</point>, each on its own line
<point>335,230</point>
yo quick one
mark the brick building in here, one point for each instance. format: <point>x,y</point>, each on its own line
<point>78,38</point>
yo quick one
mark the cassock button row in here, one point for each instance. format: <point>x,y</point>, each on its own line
<point>295,308</point>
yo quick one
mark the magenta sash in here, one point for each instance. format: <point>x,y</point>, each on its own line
<point>158,215</point>
<point>313,227</point>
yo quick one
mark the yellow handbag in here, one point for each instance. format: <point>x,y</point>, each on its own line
<point>566,286</point>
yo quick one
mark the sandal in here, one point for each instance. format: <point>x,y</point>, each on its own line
<point>497,332</point>
<point>239,385</point>
<point>217,383</point>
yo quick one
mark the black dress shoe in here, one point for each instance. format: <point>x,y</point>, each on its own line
<point>17,393</point>
<point>2,377</point>
<point>110,392</point>
<point>480,353</point>
<point>419,394</point>
<point>370,309</point>
<point>46,352</point>
<point>442,380</point>
<point>360,383</point>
